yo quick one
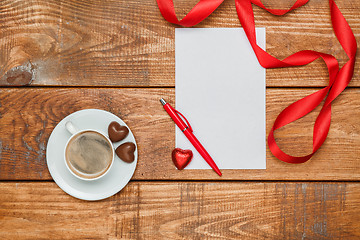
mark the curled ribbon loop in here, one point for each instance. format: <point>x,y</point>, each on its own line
<point>200,11</point>
<point>338,79</point>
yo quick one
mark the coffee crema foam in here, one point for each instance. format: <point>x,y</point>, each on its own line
<point>89,154</point>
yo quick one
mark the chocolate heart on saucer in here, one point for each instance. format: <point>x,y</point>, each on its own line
<point>126,152</point>
<point>181,158</point>
<point>117,132</point>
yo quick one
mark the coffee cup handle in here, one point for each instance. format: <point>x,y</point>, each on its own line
<point>71,128</point>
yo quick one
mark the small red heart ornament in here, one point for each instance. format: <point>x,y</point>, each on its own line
<point>181,158</point>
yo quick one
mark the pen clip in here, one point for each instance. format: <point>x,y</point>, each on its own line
<point>189,126</point>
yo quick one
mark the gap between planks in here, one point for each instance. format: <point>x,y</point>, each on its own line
<point>151,87</point>
<point>201,181</point>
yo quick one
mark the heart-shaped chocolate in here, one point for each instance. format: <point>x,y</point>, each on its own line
<point>126,152</point>
<point>181,158</point>
<point>117,132</point>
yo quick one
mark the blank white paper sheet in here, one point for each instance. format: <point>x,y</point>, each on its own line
<point>220,89</point>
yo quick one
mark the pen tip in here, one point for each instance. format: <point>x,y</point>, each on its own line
<point>217,170</point>
<point>162,101</point>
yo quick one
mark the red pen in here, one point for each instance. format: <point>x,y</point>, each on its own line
<point>187,130</point>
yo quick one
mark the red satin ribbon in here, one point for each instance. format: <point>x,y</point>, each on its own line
<point>338,79</point>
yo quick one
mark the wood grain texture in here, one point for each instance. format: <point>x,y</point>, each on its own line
<point>28,115</point>
<point>128,43</point>
<point>184,211</point>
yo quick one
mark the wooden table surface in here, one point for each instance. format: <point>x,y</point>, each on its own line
<point>118,55</point>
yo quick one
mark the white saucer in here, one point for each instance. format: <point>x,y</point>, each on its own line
<point>118,176</point>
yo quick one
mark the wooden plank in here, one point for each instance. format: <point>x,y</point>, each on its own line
<point>128,43</point>
<point>28,116</point>
<point>184,211</point>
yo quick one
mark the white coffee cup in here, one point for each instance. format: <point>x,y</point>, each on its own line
<point>88,150</point>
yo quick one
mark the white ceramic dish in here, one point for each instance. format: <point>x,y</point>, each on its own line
<point>118,176</point>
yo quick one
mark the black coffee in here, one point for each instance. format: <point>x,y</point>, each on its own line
<point>89,154</point>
